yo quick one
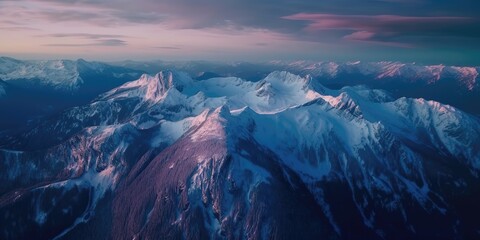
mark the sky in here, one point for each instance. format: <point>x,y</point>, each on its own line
<point>423,31</point>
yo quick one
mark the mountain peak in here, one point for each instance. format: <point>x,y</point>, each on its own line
<point>204,152</point>
<point>150,88</point>
<point>211,125</point>
<point>286,77</point>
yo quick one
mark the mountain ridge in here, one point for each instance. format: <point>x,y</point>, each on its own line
<point>220,150</point>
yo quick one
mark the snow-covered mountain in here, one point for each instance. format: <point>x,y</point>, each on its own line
<point>31,89</point>
<point>167,156</point>
<point>3,90</point>
<point>466,77</point>
<point>454,85</point>
<point>62,75</point>
<point>327,72</point>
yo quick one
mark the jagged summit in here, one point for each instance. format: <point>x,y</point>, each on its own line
<point>148,87</point>
<point>286,77</point>
<point>467,77</point>
<point>226,157</point>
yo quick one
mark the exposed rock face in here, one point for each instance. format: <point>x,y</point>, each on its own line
<point>169,157</point>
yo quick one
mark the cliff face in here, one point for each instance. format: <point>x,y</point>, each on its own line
<point>167,156</point>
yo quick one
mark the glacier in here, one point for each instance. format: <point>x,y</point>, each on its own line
<point>169,156</point>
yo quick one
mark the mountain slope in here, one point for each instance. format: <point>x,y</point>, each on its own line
<point>284,157</point>
<point>466,77</point>
<point>454,85</point>
<point>3,88</point>
<point>39,88</point>
<point>61,75</point>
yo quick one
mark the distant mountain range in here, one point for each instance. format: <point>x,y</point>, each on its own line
<point>335,73</point>
<point>29,89</point>
<point>457,86</point>
<point>207,155</point>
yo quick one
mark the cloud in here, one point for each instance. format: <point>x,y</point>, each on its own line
<point>111,42</point>
<point>103,42</point>
<point>139,17</point>
<point>319,21</point>
<point>360,36</point>
<point>388,28</point>
<point>10,25</point>
<point>98,13</point>
<point>270,15</point>
<point>18,28</point>
<point>9,22</point>
<point>83,35</point>
<point>94,39</point>
<point>168,48</point>
<point>328,26</point>
<point>67,15</point>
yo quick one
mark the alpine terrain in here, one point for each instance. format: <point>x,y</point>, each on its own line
<point>285,156</point>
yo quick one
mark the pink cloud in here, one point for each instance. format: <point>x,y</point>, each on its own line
<point>368,37</point>
<point>379,28</point>
<point>318,21</point>
<point>360,35</point>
